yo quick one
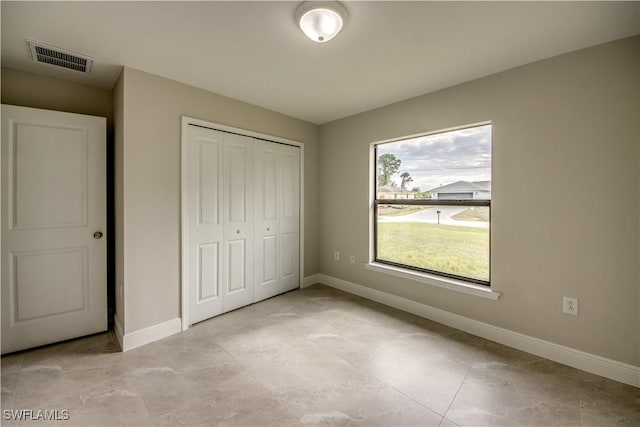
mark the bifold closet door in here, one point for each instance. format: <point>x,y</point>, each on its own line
<point>277,219</point>
<point>219,222</point>
<point>242,221</point>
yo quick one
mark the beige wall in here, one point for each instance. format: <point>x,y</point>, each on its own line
<point>153,107</point>
<point>565,196</point>
<point>36,91</point>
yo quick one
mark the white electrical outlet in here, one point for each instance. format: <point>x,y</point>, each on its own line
<point>336,255</point>
<point>570,305</point>
<point>352,259</point>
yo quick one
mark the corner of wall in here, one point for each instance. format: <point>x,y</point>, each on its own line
<point>118,165</point>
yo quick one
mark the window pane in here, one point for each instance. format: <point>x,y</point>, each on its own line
<point>453,165</point>
<point>448,239</point>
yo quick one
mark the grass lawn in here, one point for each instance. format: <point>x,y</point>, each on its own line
<point>475,213</point>
<point>448,248</point>
<point>406,210</point>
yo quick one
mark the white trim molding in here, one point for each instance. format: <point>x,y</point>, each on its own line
<point>310,281</point>
<point>147,335</point>
<point>608,368</point>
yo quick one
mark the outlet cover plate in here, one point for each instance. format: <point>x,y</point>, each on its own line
<point>570,305</point>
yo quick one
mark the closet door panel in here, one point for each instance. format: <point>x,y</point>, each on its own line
<point>269,257</point>
<point>238,222</point>
<point>205,228</point>
<point>208,271</point>
<point>267,241</point>
<point>237,170</point>
<point>289,221</point>
<point>237,253</point>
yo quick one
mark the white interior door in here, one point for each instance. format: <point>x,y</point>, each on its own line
<point>267,282</point>
<point>277,219</point>
<point>205,153</point>
<point>289,217</point>
<point>238,222</point>
<point>53,201</point>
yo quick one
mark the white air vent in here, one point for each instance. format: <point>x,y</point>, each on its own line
<point>40,52</point>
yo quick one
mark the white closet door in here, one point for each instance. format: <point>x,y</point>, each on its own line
<point>205,222</point>
<point>289,217</point>
<point>277,219</point>
<point>267,282</point>
<point>242,213</point>
<point>53,226</point>
<point>238,222</point>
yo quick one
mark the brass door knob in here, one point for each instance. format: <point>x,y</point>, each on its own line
<point>97,235</point>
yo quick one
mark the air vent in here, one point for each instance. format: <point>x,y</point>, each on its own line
<point>40,52</point>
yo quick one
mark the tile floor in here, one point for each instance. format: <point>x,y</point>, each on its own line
<point>316,356</point>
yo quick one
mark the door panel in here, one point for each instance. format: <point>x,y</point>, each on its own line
<point>49,166</point>
<point>204,223</point>
<point>237,155</point>
<point>288,180</point>
<point>289,168</point>
<point>209,181</point>
<point>208,284</point>
<point>237,281</point>
<point>266,196</point>
<point>268,259</point>
<point>53,200</point>
<point>277,250</point>
<point>64,272</point>
<point>288,255</point>
<point>268,182</point>
<point>238,222</point>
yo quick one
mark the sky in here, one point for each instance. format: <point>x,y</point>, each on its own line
<point>443,158</point>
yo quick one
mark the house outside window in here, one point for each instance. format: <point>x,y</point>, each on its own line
<point>432,203</point>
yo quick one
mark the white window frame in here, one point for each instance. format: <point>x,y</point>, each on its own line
<point>454,284</point>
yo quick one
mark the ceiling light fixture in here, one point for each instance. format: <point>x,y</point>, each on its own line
<point>321,20</point>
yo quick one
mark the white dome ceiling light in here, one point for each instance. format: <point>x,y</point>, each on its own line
<point>321,20</point>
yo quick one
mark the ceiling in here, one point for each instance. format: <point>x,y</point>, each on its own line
<point>254,52</point>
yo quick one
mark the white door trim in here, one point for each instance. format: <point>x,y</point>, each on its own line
<point>186,122</point>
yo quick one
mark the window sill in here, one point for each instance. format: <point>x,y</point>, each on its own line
<point>441,282</point>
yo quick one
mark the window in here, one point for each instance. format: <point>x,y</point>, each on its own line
<point>432,203</point>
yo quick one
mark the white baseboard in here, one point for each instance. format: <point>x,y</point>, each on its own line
<point>598,365</point>
<point>117,328</point>
<point>147,335</point>
<point>310,281</point>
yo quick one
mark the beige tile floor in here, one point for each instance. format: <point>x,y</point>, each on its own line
<point>316,356</point>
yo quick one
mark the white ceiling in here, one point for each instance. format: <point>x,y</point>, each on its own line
<point>254,52</point>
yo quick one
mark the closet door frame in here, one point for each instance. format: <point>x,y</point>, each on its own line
<point>184,243</point>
